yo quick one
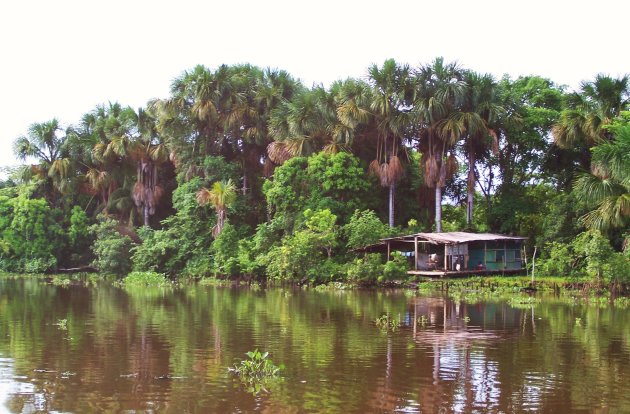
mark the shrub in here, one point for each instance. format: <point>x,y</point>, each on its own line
<point>226,248</point>
<point>112,250</point>
<point>300,255</point>
<point>364,228</point>
<point>395,268</point>
<point>367,269</point>
<point>146,279</point>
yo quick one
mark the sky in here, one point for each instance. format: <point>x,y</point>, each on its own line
<point>59,59</point>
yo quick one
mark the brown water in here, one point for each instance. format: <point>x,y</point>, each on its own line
<point>154,350</point>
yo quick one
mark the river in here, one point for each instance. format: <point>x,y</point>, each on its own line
<point>99,348</point>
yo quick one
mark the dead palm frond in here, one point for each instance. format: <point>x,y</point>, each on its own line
<point>278,152</point>
<point>396,170</point>
<point>431,171</point>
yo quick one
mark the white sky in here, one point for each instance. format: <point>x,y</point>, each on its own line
<point>61,58</point>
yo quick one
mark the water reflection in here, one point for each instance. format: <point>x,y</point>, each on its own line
<point>168,351</point>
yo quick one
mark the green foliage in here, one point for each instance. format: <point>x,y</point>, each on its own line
<point>257,365</point>
<point>112,250</point>
<point>588,255</point>
<point>386,323</point>
<point>79,236</point>
<point>367,269</point>
<point>561,260</point>
<point>364,228</point>
<point>181,247</point>
<point>603,264</point>
<point>302,254</point>
<point>226,251</point>
<point>30,229</point>
<point>395,268</point>
<point>323,181</point>
<point>256,371</point>
<point>146,279</point>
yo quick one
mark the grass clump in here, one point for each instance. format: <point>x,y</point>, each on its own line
<point>146,279</point>
<point>256,371</point>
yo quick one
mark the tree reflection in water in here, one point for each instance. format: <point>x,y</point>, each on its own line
<point>169,349</point>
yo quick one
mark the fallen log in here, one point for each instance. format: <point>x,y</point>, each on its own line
<point>90,269</point>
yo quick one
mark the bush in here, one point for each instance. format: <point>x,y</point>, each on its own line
<point>79,237</point>
<point>364,228</point>
<point>603,264</point>
<point>226,248</point>
<point>395,269</point>
<point>300,255</point>
<point>112,250</point>
<point>367,269</point>
<point>562,260</point>
<point>30,230</point>
<point>588,255</point>
<point>146,279</point>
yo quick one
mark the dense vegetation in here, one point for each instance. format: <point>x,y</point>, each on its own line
<point>244,171</point>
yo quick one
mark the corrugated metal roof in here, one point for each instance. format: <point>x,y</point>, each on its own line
<point>454,237</point>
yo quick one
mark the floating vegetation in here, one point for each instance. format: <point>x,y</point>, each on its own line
<point>62,324</point>
<point>622,302</point>
<point>466,319</point>
<point>523,300</point>
<point>386,323</point>
<point>58,280</point>
<point>333,286</point>
<point>257,371</point>
<point>578,321</point>
<point>213,281</point>
<point>146,279</point>
<point>422,320</point>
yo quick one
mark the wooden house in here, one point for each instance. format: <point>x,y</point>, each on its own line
<point>457,253</point>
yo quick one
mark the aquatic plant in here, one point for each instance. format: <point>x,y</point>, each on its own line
<point>523,300</point>
<point>386,323</point>
<point>146,279</point>
<point>62,324</point>
<point>256,366</point>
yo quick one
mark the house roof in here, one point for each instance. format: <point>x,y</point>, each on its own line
<point>455,237</point>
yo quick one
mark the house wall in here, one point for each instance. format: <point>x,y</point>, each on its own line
<point>495,255</point>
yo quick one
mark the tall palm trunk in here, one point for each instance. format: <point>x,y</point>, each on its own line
<point>470,188</point>
<point>438,209</point>
<point>392,190</point>
<point>146,215</point>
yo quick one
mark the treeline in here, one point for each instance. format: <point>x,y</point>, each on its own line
<point>247,171</point>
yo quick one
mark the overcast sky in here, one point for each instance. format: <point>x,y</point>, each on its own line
<point>61,58</point>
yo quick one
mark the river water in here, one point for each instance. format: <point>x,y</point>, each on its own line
<point>82,349</point>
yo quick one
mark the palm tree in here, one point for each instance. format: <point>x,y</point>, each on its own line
<point>589,110</point>
<point>439,90</point>
<point>608,186</point>
<point>149,154</point>
<point>474,116</point>
<point>222,196</point>
<point>390,106</point>
<point>106,136</point>
<point>44,143</point>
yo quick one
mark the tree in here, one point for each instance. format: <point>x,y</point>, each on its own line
<point>44,143</point>
<point>607,187</point>
<point>389,104</point>
<point>582,124</point>
<point>474,117</point>
<point>438,90</point>
<point>149,154</point>
<point>222,196</point>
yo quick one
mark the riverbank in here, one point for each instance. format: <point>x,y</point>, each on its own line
<point>468,286</point>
